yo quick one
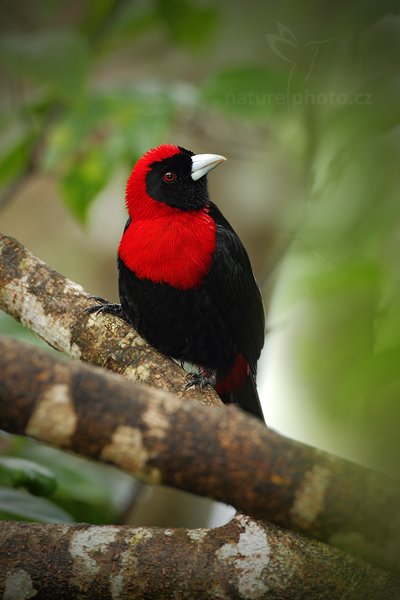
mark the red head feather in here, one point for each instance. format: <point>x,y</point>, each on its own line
<point>138,202</point>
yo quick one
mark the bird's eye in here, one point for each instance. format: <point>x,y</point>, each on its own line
<point>169,177</point>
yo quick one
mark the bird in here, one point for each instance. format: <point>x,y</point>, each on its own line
<point>184,277</point>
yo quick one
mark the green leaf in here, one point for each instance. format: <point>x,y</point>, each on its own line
<point>21,506</point>
<point>89,491</point>
<point>188,23</point>
<point>131,19</point>
<point>15,159</point>
<point>351,275</point>
<point>248,91</point>
<point>96,15</point>
<point>147,129</point>
<point>84,180</point>
<point>74,133</point>
<point>24,473</point>
<point>58,59</point>
<point>107,130</point>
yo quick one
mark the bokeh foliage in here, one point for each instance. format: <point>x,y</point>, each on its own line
<point>39,483</point>
<point>325,89</point>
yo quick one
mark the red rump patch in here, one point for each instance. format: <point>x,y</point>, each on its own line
<point>235,378</point>
<point>163,243</point>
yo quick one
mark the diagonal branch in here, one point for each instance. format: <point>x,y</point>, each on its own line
<point>224,454</point>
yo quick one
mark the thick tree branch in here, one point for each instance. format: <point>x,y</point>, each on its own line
<point>244,559</point>
<point>221,453</point>
<point>51,306</point>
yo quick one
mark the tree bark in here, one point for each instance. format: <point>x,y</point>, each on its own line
<point>244,559</point>
<point>220,453</point>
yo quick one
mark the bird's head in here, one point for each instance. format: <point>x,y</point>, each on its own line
<point>169,176</point>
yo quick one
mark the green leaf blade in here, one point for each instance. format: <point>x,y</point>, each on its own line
<point>21,506</point>
<point>24,473</point>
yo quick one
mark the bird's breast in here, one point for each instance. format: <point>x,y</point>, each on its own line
<point>176,248</point>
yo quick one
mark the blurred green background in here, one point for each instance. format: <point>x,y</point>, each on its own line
<point>304,100</point>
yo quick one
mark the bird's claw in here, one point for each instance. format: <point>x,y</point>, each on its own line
<point>99,299</point>
<point>201,379</point>
<point>104,307</point>
<point>94,309</point>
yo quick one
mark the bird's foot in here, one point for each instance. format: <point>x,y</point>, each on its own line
<point>203,378</point>
<point>104,307</point>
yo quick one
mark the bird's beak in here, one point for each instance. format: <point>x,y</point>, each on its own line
<point>202,163</point>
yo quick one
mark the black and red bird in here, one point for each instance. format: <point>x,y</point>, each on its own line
<point>185,279</point>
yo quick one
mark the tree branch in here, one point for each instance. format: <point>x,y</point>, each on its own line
<point>51,306</point>
<point>244,559</point>
<point>223,454</point>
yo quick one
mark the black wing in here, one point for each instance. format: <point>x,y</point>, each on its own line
<point>235,291</point>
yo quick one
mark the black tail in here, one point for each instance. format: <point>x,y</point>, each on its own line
<point>246,396</point>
